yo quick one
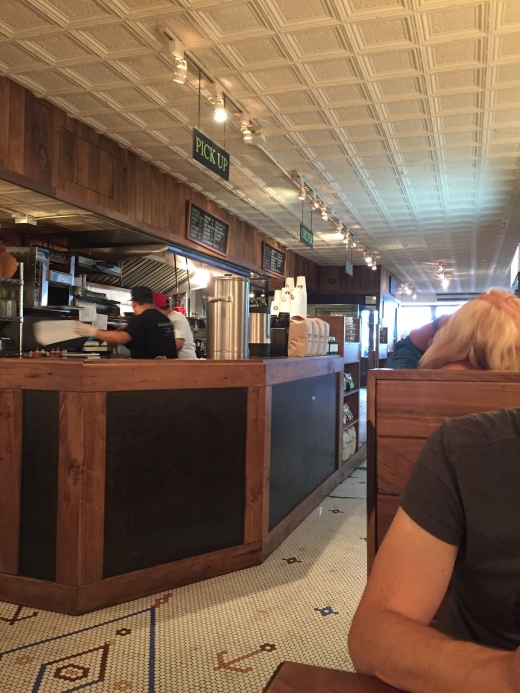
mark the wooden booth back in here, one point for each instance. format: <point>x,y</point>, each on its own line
<point>404,408</point>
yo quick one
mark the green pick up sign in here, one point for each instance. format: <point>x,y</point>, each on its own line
<point>210,154</point>
<point>306,236</point>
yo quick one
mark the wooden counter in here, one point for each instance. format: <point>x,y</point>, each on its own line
<point>123,478</point>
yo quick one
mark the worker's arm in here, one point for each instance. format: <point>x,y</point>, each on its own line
<point>179,343</point>
<point>110,336</point>
<point>390,636</point>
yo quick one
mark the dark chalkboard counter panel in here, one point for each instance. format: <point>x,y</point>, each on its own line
<point>133,448</point>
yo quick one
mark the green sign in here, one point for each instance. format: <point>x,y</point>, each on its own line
<point>306,236</point>
<point>210,154</point>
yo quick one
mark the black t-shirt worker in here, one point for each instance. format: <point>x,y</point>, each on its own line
<point>148,335</point>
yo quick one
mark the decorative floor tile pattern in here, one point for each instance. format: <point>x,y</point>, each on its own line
<point>225,635</point>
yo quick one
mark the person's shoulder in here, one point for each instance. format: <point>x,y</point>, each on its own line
<point>482,428</point>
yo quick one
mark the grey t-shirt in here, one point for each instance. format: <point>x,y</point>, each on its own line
<point>465,490</point>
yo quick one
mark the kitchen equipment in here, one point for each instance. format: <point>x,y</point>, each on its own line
<point>228,313</point>
<point>259,331</point>
<point>48,276</point>
<point>280,334</point>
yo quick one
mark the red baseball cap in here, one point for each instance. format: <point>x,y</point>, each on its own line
<point>160,301</point>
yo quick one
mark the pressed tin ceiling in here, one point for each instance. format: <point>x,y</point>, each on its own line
<point>404,115</point>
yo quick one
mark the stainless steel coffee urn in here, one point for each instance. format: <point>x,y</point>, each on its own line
<point>228,315</point>
<point>259,331</point>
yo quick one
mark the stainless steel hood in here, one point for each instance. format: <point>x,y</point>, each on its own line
<point>162,272</point>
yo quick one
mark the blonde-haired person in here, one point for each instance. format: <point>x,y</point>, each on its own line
<point>484,334</point>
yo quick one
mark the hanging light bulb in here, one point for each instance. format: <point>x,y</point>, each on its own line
<point>247,133</point>
<point>324,213</point>
<point>220,114</point>
<point>315,204</point>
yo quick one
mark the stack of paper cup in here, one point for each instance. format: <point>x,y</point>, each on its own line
<point>285,303</point>
<point>275,305</point>
<point>302,285</point>
<point>289,283</point>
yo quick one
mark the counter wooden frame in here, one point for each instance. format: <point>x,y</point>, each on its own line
<point>79,586</point>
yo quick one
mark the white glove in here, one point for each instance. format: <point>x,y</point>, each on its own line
<point>83,329</point>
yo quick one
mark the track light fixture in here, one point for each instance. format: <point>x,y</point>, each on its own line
<point>414,295</point>
<point>302,194</point>
<point>374,266</point>
<point>368,258</point>
<point>315,204</point>
<point>180,71</point>
<point>339,226</point>
<point>354,243</point>
<point>346,240</point>
<point>324,213</point>
<point>247,133</point>
<point>445,283</point>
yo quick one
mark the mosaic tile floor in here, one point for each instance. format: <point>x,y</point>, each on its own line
<point>225,635</point>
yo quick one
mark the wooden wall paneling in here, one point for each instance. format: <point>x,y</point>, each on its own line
<point>139,188</point>
<point>161,202</point>
<point>16,127</point>
<point>4,121</point>
<point>38,139</point>
<point>155,174</point>
<point>330,280</point>
<point>147,192</point>
<point>10,478</point>
<point>257,432</point>
<point>81,485</point>
<point>395,460</point>
<point>399,416</point>
<point>39,594</point>
<point>387,506</point>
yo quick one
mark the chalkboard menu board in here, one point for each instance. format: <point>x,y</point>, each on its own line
<point>207,230</point>
<point>273,260</point>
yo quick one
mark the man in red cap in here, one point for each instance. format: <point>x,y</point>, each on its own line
<point>183,334</point>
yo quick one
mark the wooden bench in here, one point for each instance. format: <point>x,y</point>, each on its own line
<point>403,408</point>
<point>291,677</point>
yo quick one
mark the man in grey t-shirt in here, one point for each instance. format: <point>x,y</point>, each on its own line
<point>459,523</point>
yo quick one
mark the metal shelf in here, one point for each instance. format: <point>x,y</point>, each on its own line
<point>5,280</point>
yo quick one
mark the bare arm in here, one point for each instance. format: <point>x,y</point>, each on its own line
<point>179,343</point>
<point>422,336</point>
<point>390,636</point>
<point>113,336</point>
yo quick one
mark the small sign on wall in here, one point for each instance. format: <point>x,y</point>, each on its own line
<point>210,154</point>
<point>349,268</point>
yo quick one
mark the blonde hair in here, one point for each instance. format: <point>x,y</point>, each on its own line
<point>484,332</point>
